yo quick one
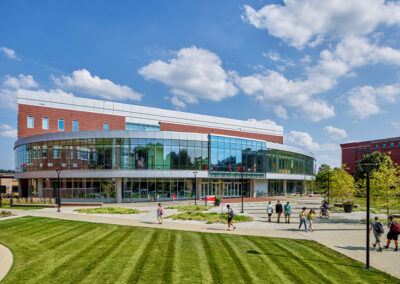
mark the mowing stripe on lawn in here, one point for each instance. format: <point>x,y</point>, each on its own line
<point>134,277</point>
<point>93,259</point>
<point>131,264</point>
<point>212,264</point>
<point>240,263</point>
<point>193,262</point>
<point>292,252</point>
<point>65,263</point>
<point>20,227</point>
<point>277,265</point>
<point>56,257</point>
<point>71,229</point>
<point>169,259</point>
<point>117,259</point>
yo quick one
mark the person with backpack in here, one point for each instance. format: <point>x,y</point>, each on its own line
<point>287,212</point>
<point>160,213</point>
<point>279,210</point>
<point>377,229</point>
<point>393,234</point>
<point>310,218</point>
<point>270,210</point>
<point>230,215</point>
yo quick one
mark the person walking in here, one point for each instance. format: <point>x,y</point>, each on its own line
<point>229,215</point>
<point>310,218</point>
<point>270,210</point>
<point>377,228</point>
<point>279,210</point>
<point>393,234</point>
<point>287,212</point>
<point>303,219</point>
<point>160,213</point>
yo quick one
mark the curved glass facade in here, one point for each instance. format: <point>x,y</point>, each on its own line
<point>112,153</point>
<point>222,156</point>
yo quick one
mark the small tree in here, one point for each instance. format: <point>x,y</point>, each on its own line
<point>108,188</point>
<point>342,185</point>
<point>385,183</point>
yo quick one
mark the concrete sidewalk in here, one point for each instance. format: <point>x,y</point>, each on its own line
<point>6,261</point>
<point>341,232</point>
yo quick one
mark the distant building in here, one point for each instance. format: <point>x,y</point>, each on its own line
<point>148,152</point>
<point>354,151</point>
<point>8,184</point>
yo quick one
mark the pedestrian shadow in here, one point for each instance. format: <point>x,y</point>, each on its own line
<point>216,229</point>
<point>256,252</point>
<point>351,248</point>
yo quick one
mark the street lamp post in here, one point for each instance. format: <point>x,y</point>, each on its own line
<point>58,199</point>
<point>329,193</point>
<point>242,170</point>
<point>367,168</point>
<point>195,186</point>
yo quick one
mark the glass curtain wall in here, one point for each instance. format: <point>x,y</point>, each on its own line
<point>113,153</point>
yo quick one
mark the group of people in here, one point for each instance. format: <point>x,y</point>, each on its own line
<point>286,209</point>
<point>393,234</point>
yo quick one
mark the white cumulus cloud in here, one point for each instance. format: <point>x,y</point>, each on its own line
<point>335,133</point>
<point>299,22</point>
<point>194,73</point>
<point>22,81</point>
<point>82,81</point>
<point>281,112</point>
<point>7,131</point>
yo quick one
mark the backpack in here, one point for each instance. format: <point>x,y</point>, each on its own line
<point>395,227</point>
<point>162,211</point>
<point>379,228</point>
<point>231,213</point>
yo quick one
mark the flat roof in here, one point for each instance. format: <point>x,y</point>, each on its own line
<point>143,114</point>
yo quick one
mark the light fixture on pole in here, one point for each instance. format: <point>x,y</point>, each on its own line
<point>195,185</point>
<point>242,168</point>
<point>367,168</point>
<point>58,199</point>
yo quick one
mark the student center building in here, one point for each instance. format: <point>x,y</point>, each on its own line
<point>146,152</point>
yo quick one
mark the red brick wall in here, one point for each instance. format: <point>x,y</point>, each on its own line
<point>205,130</point>
<point>351,152</point>
<point>87,120</point>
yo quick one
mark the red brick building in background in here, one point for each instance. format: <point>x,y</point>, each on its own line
<point>354,151</point>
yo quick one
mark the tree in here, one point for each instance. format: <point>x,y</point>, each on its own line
<point>385,183</point>
<point>322,177</point>
<point>108,188</point>
<point>375,157</point>
<point>342,185</point>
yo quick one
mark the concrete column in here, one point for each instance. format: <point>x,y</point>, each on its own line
<point>40,187</point>
<point>198,189</point>
<point>252,192</point>
<point>284,187</point>
<point>118,189</point>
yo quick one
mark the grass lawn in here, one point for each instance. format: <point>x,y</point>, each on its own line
<point>60,251</point>
<point>210,218</point>
<point>190,208</point>
<point>108,210</point>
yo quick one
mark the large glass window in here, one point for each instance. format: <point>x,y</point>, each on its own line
<point>61,124</point>
<point>31,121</point>
<point>105,126</point>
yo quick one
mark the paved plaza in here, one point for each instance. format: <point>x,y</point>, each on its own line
<point>342,232</point>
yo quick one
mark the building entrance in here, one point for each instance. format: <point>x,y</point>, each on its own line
<point>224,189</point>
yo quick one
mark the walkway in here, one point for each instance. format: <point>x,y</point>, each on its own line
<point>342,232</point>
<point>6,261</point>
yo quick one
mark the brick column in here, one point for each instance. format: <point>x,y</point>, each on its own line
<point>40,187</point>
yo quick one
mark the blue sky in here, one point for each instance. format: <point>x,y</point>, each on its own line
<point>327,71</point>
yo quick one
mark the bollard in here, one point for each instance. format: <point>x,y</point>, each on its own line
<point>11,202</point>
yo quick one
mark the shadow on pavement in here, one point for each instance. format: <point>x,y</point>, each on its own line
<point>351,248</point>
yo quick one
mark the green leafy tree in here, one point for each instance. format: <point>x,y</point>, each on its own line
<point>324,172</point>
<point>342,185</point>
<point>375,157</point>
<point>108,188</point>
<point>384,184</point>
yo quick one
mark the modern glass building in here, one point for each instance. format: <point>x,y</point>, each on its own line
<point>146,152</point>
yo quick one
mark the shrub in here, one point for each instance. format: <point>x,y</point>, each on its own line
<point>210,218</point>
<point>189,208</point>
<point>108,210</point>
